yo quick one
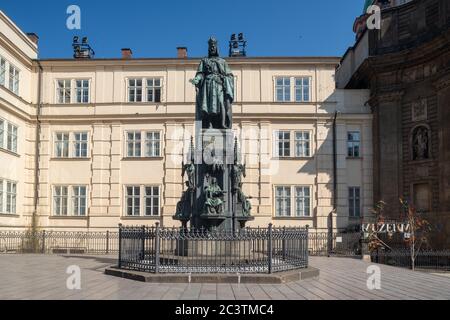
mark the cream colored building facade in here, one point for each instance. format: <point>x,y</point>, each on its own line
<point>89,144</point>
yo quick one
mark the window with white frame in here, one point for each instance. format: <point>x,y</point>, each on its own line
<point>1,196</point>
<point>82,91</point>
<point>353,144</point>
<point>62,145</point>
<point>60,200</point>
<point>79,200</point>
<point>2,132</point>
<point>354,201</point>
<point>11,140</point>
<point>8,196</point>
<point>71,144</point>
<point>302,143</point>
<point>283,89</point>
<point>134,90</point>
<point>143,144</point>
<point>2,71</point>
<point>302,201</point>
<point>153,144</point>
<point>70,200</point>
<point>80,144</point>
<point>64,91</point>
<point>299,195</point>
<point>154,90</point>
<point>8,136</point>
<point>13,79</point>
<point>293,89</point>
<point>302,89</point>
<point>282,143</point>
<point>134,144</point>
<point>133,200</point>
<point>151,201</point>
<point>9,75</point>
<point>283,201</point>
<point>142,200</point>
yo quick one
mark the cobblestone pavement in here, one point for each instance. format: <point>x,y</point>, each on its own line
<point>44,277</point>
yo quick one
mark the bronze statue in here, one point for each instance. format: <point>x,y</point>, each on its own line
<point>189,169</point>
<point>215,90</point>
<point>213,197</point>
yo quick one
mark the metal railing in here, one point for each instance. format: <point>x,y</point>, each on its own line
<point>177,250</point>
<point>336,243</point>
<point>425,259</point>
<point>48,242</point>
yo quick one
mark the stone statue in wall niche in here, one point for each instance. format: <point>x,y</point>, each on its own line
<point>421,144</point>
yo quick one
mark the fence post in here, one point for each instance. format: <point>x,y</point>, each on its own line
<point>143,243</point>
<point>283,244</point>
<point>120,246</point>
<point>269,248</point>
<point>306,250</point>
<point>157,248</point>
<point>43,241</point>
<point>107,241</point>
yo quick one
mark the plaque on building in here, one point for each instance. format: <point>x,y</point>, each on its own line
<point>419,110</point>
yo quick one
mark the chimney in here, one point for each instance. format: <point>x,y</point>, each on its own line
<point>33,37</point>
<point>127,53</point>
<point>182,53</point>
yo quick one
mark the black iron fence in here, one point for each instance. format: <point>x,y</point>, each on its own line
<point>59,242</point>
<point>335,243</point>
<point>175,250</point>
<point>424,259</point>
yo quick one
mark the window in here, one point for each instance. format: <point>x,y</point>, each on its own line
<point>354,201</point>
<point>302,201</point>
<point>80,144</point>
<point>2,71</point>
<point>11,195</point>
<point>8,196</point>
<point>8,136</point>
<point>133,201</point>
<point>11,140</point>
<point>13,79</point>
<point>1,196</point>
<point>62,145</point>
<point>2,132</point>
<point>143,144</point>
<point>302,89</point>
<point>133,144</point>
<point>82,91</point>
<point>283,201</point>
<point>283,89</point>
<point>154,90</point>
<point>353,144</point>
<point>69,144</point>
<point>135,90</point>
<point>302,144</point>
<point>79,200</point>
<point>153,144</point>
<point>77,206</point>
<point>152,201</point>
<point>64,91</point>
<point>60,200</point>
<point>283,142</point>
<point>142,201</point>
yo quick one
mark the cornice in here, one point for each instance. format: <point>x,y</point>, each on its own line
<point>311,61</point>
<point>383,97</point>
<point>14,50</point>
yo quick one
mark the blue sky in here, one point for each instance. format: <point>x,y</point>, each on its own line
<point>155,28</point>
